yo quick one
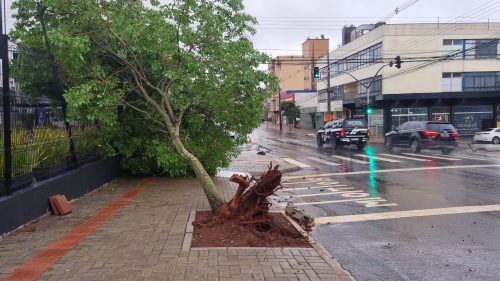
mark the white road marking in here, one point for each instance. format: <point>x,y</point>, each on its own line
<point>326,162</point>
<point>335,201</point>
<point>310,181</point>
<point>407,214</point>
<point>296,163</point>
<point>434,157</point>
<point>393,170</point>
<point>350,159</point>
<point>378,158</point>
<point>466,157</point>
<point>406,157</point>
<point>319,194</point>
<point>317,187</point>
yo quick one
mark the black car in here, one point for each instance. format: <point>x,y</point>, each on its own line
<point>419,135</point>
<point>350,131</point>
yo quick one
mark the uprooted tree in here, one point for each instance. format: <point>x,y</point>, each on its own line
<point>183,74</point>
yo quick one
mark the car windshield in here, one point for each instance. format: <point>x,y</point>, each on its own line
<point>355,123</point>
<point>439,127</point>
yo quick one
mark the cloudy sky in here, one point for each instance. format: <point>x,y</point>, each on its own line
<point>285,24</point>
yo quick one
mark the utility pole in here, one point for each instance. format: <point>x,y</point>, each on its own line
<point>279,109</point>
<point>328,90</point>
<point>7,131</point>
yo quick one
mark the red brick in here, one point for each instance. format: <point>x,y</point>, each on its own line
<point>52,205</point>
<point>62,205</point>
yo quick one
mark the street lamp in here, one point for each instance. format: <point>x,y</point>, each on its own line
<point>368,88</point>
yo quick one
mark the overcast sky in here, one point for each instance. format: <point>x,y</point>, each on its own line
<point>285,24</point>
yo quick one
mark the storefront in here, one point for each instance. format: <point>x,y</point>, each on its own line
<point>471,119</point>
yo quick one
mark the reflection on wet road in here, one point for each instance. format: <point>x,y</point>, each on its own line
<point>396,215</point>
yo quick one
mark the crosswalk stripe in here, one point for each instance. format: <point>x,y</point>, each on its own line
<point>333,201</point>
<point>317,187</point>
<point>350,159</point>
<point>378,158</point>
<point>296,163</point>
<point>466,157</point>
<point>326,162</point>
<point>406,157</point>
<point>318,194</point>
<point>434,157</point>
<point>407,214</point>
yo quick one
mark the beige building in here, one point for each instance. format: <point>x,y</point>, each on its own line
<point>295,73</point>
<point>450,72</point>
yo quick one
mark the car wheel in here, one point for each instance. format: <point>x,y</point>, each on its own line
<point>414,146</point>
<point>335,143</point>
<point>388,143</point>
<point>496,140</point>
<point>319,141</point>
<point>447,150</point>
<point>361,145</point>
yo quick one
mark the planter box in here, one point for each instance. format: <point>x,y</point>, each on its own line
<point>88,158</point>
<point>18,182</point>
<point>43,173</point>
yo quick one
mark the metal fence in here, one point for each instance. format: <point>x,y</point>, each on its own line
<point>41,146</point>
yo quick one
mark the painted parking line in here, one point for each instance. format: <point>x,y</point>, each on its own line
<point>406,157</point>
<point>392,171</point>
<point>378,158</point>
<point>350,159</point>
<point>433,157</point>
<point>407,214</point>
<point>322,161</point>
<point>296,163</point>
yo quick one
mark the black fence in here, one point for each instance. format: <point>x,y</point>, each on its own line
<point>41,146</point>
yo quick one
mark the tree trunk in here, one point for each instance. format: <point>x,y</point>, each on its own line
<point>214,199</point>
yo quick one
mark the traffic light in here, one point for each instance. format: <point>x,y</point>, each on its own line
<point>397,62</point>
<point>316,72</point>
<point>368,110</point>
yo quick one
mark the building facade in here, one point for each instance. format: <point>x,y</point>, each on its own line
<point>449,73</point>
<point>295,73</point>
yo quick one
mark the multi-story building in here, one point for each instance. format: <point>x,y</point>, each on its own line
<point>295,73</point>
<point>450,72</point>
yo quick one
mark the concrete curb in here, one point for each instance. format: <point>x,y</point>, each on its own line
<point>343,274</point>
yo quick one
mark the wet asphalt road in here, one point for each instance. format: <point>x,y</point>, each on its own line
<point>434,243</point>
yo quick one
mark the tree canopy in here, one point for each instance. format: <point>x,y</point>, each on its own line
<point>166,83</point>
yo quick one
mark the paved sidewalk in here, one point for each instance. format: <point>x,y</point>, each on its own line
<point>142,239</point>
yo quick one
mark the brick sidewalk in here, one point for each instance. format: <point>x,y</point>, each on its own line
<point>143,241</point>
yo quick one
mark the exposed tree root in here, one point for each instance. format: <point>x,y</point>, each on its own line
<point>249,205</point>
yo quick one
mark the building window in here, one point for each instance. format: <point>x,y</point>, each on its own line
<point>359,60</point>
<point>402,115</point>
<point>481,48</point>
<point>452,82</point>
<point>481,81</point>
<point>375,88</point>
<point>306,78</point>
<point>306,66</point>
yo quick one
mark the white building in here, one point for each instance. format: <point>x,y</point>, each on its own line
<point>463,89</point>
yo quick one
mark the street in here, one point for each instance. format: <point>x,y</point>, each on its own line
<point>394,215</point>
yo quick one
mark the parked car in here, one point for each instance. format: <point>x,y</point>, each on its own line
<point>489,135</point>
<point>418,135</point>
<point>350,131</point>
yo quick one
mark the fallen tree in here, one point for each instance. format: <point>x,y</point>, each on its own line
<point>250,203</point>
